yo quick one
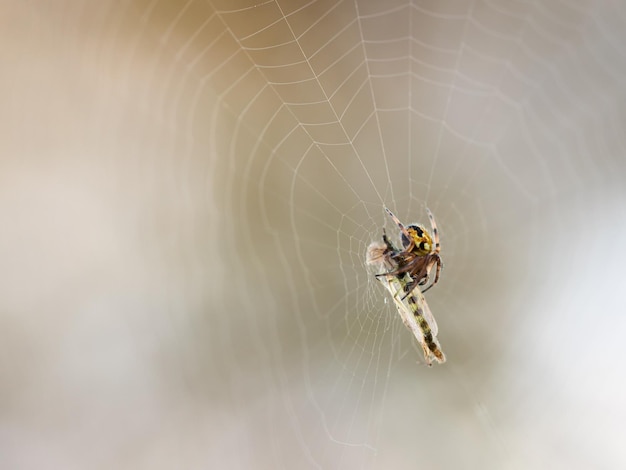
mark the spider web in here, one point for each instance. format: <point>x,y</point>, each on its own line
<point>237,158</point>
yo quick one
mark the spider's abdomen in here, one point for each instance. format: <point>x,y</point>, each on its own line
<point>420,238</point>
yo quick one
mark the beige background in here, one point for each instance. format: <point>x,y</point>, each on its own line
<point>187,190</point>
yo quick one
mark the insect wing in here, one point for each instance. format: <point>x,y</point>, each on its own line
<point>395,288</point>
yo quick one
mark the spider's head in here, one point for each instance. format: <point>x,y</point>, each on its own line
<point>422,241</point>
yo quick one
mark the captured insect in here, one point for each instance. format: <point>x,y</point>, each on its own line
<point>403,271</point>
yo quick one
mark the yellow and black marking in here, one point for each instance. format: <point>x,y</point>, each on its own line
<point>415,238</point>
<point>429,339</point>
<point>419,242</point>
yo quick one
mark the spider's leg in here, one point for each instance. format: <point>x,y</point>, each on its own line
<point>408,288</point>
<point>439,264</point>
<point>403,263</point>
<point>433,224</point>
<point>438,272</point>
<point>395,272</point>
<point>417,268</point>
<point>398,223</point>
<point>386,241</point>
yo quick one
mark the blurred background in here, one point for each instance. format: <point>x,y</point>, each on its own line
<point>187,190</point>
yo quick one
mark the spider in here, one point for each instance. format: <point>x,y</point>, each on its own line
<point>419,254</point>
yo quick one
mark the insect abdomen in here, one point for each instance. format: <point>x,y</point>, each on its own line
<point>426,331</point>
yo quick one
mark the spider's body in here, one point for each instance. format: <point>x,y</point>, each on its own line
<point>419,254</point>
